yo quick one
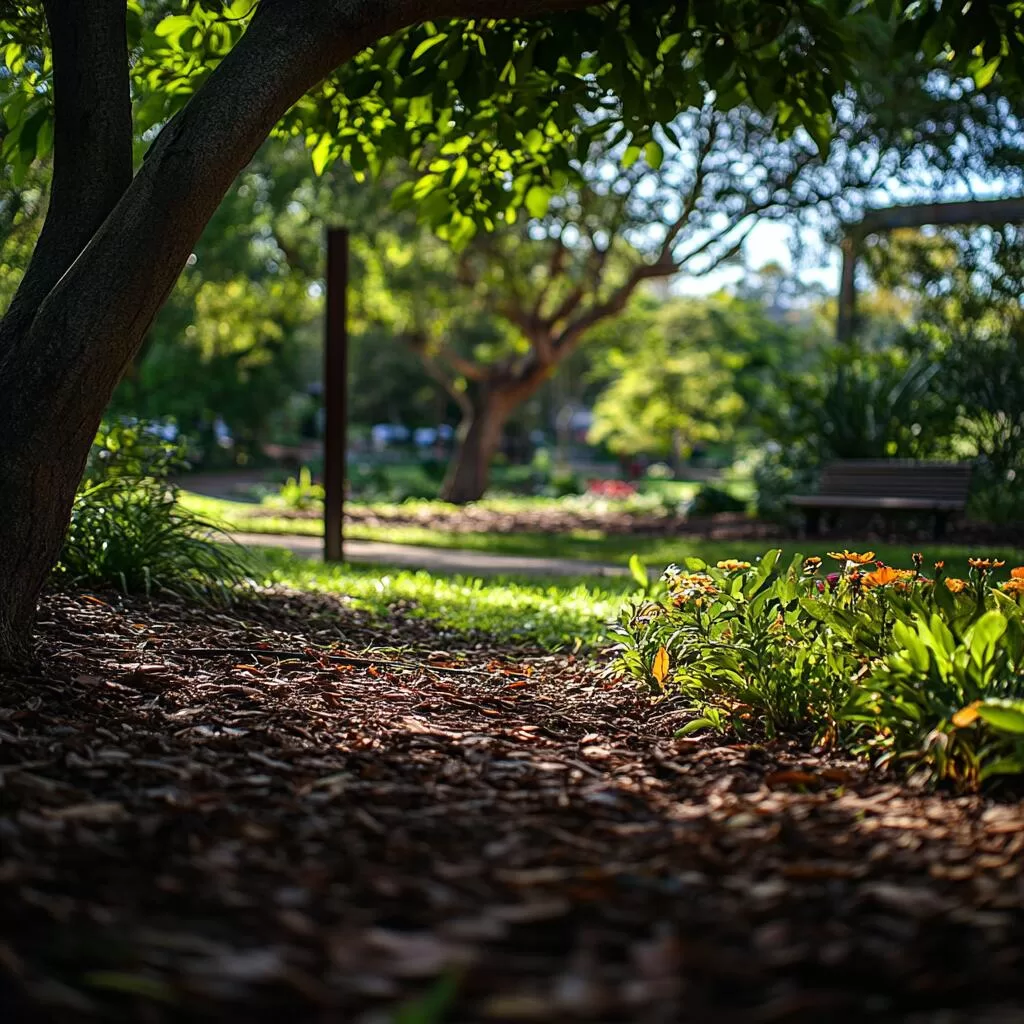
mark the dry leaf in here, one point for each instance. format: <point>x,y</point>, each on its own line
<point>660,668</point>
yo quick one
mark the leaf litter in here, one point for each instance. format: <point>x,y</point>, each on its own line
<point>369,836</point>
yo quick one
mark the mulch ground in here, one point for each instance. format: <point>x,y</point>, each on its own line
<point>193,835</point>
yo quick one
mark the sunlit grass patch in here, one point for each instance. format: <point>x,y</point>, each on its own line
<point>550,612</point>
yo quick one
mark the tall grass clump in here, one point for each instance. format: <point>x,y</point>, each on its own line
<point>127,531</point>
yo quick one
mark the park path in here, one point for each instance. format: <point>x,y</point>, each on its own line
<point>442,560</point>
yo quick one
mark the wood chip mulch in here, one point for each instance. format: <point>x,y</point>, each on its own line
<point>193,836</point>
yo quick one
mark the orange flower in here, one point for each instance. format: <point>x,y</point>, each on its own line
<point>1014,586</point>
<point>1018,573</point>
<point>940,565</point>
<point>882,577</point>
<point>852,556</point>
<point>812,565</point>
<point>955,585</point>
<point>985,563</point>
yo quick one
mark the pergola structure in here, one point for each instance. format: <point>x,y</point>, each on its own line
<point>972,211</point>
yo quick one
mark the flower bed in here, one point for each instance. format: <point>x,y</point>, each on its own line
<point>921,669</point>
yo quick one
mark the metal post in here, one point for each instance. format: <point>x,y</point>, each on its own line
<point>847,291</point>
<point>335,392</point>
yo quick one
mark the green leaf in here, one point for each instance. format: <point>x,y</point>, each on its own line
<point>654,154</point>
<point>984,75</point>
<point>537,200</point>
<point>321,154</point>
<point>695,726</point>
<point>984,635</point>
<point>1004,715</point>
<point>638,572</point>
<point>428,44</point>
<point>174,27</point>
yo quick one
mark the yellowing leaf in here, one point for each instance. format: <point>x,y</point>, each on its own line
<point>660,668</point>
<point>965,716</point>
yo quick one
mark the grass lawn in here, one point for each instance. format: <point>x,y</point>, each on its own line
<point>586,545</point>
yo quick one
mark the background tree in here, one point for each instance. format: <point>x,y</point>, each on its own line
<point>684,203</point>
<point>965,285</point>
<point>680,378</point>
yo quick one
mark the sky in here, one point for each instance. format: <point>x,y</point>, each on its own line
<point>769,242</point>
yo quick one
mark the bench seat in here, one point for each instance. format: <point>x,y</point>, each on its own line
<point>888,485</point>
<point>850,501</point>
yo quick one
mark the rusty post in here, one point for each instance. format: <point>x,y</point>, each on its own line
<point>335,392</point>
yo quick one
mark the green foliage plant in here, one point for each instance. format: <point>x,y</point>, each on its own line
<point>924,671</point>
<point>129,532</point>
<point>302,494</point>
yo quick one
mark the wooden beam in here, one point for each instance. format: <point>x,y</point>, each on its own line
<point>970,211</point>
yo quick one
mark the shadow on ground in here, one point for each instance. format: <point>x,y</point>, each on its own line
<point>494,834</point>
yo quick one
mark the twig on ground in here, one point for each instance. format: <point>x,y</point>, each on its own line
<point>335,659</point>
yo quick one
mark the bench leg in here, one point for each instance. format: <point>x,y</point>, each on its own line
<point>940,524</point>
<point>812,519</point>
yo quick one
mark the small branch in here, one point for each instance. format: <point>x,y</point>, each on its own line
<point>555,267</point>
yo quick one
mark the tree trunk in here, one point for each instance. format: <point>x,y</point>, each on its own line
<point>39,473</point>
<point>479,437</point>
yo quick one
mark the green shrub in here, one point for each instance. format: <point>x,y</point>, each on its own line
<point>926,671</point>
<point>710,501</point>
<point>128,532</point>
<point>564,483</point>
<point>132,451</point>
<point>301,494</point>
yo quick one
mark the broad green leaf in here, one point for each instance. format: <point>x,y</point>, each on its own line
<point>1006,716</point>
<point>321,154</point>
<point>638,571</point>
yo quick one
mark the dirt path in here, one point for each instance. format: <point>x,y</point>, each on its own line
<point>187,836</point>
<point>443,560</point>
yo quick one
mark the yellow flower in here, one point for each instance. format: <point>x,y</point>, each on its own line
<point>955,585</point>
<point>852,556</point>
<point>733,565</point>
<point>688,586</point>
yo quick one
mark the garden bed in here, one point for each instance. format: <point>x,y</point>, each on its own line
<point>492,831</point>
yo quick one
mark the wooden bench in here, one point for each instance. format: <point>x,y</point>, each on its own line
<point>888,486</point>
